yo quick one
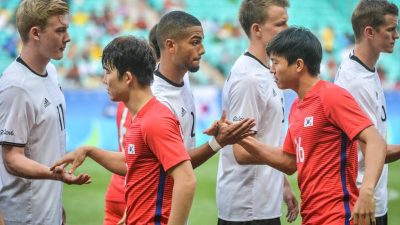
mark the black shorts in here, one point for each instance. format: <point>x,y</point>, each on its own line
<point>382,220</point>
<point>275,221</point>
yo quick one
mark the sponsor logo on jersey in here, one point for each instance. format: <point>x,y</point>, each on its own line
<point>131,149</point>
<point>237,118</point>
<point>46,102</point>
<point>183,112</point>
<point>309,121</point>
<point>7,132</point>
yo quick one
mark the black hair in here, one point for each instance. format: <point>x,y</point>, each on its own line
<point>153,41</point>
<point>128,53</point>
<point>173,25</point>
<point>298,43</point>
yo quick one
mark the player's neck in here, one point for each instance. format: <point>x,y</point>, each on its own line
<point>258,50</point>
<point>171,72</point>
<point>306,83</point>
<point>34,60</point>
<point>137,99</point>
<point>366,54</point>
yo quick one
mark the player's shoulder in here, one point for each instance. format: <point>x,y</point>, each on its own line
<point>157,114</point>
<point>333,94</point>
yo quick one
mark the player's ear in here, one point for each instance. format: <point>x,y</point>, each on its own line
<point>34,33</point>
<point>170,45</point>
<point>299,65</point>
<point>369,32</point>
<point>255,29</point>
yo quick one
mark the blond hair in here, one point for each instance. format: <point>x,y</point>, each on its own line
<point>32,13</point>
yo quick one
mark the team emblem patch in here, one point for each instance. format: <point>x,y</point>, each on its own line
<point>131,149</point>
<point>183,112</point>
<point>309,121</point>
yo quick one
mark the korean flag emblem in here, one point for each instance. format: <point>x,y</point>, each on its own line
<point>309,121</point>
<point>131,149</point>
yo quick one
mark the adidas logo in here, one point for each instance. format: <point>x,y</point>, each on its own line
<point>274,92</point>
<point>46,102</point>
<point>183,112</point>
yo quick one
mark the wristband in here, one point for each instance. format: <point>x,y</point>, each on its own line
<point>215,146</point>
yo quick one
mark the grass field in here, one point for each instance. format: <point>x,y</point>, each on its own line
<point>84,204</point>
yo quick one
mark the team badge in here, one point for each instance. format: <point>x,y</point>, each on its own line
<point>131,149</point>
<point>309,121</point>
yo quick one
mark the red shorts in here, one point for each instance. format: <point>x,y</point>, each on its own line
<point>113,212</point>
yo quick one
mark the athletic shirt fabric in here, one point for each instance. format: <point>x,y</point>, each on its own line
<point>153,145</point>
<point>251,192</point>
<point>322,129</point>
<point>32,116</point>
<point>365,86</point>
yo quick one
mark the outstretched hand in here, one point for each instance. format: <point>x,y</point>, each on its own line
<point>70,178</point>
<point>76,158</point>
<point>291,203</point>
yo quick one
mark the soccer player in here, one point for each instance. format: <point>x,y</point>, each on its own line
<point>159,179</point>
<point>246,193</point>
<point>32,119</point>
<point>375,28</point>
<point>324,123</point>
<point>179,37</point>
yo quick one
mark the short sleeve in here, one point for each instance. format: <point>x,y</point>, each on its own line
<point>162,135</point>
<point>246,99</point>
<point>16,116</point>
<point>288,146</point>
<point>343,111</point>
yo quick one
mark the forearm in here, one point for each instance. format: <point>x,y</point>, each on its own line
<point>243,157</point>
<point>112,161</point>
<point>272,156</point>
<point>200,155</point>
<point>393,153</point>
<point>21,166</point>
<point>375,153</point>
<point>182,195</point>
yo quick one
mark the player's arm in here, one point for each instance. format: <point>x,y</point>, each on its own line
<point>272,156</point>
<point>393,153</point>
<point>112,161</point>
<point>224,133</point>
<point>17,164</point>
<point>1,219</point>
<point>291,201</point>
<point>243,157</point>
<point>375,151</point>
<point>183,192</point>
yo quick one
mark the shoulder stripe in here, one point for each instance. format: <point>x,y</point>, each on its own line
<point>160,195</point>
<point>343,162</point>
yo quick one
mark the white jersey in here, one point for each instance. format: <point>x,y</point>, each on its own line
<point>365,86</point>
<point>251,192</point>
<point>179,98</point>
<point>32,116</point>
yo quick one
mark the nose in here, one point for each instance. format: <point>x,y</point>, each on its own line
<point>272,68</point>
<point>396,34</point>
<point>67,37</point>
<point>202,50</point>
<point>104,79</point>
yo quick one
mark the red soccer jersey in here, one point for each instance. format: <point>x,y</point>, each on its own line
<point>321,134</point>
<point>153,145</point>
<point>115,191</point>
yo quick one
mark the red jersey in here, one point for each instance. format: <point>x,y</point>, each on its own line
<point>115,191</point>
<point>321,134</point>
<point>153,145</point>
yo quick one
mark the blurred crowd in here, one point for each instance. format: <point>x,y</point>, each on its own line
<point>96,22</point>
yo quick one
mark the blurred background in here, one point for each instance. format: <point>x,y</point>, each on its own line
<point>91,116</point>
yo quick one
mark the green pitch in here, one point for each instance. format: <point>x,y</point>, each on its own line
<point>84,204</point>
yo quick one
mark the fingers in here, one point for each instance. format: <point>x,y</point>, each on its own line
<point>223,116</point>
<point>61,162</point>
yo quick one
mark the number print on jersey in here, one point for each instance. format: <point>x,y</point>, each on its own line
<point>192,134</point>
<point>383,117</point>
<point>61,116</point>
<point>299,151</point>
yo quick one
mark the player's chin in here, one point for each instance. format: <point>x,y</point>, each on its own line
<point>194,68</point>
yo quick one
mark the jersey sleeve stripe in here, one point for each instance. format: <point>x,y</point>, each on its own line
<point>12,144</point>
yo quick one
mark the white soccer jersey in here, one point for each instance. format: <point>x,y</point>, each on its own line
<point>179,98</point>
<point>365,86</point>
<point>251,192</point>
<point>32,116</point>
